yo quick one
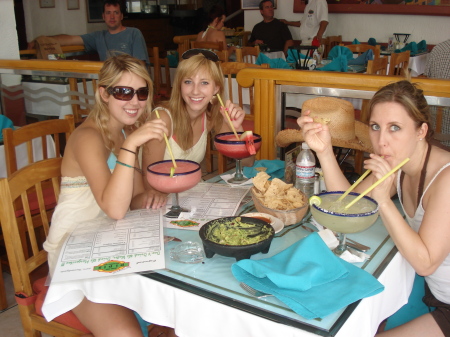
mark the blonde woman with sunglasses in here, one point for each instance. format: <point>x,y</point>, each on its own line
<point>193,111</point>
<point>100,173</point>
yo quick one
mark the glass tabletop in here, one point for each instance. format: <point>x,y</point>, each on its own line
<point>213,278</point>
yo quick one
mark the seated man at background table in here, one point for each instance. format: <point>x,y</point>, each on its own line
<point>313,22</point>
<point>271,31</point>
<point>117,39</point>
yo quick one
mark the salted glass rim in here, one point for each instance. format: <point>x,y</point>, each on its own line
<point>227,141</point>
<point>175,174</point>
<point>346,215</point>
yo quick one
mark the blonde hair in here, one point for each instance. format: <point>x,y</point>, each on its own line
<point>177,106</point>
<point>111,73</point>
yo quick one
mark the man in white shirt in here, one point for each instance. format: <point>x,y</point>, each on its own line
<point>313,22</point>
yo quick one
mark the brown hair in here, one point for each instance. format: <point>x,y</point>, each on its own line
<point>177,106</point>
<point>111,73</point>
<point>410,97</point>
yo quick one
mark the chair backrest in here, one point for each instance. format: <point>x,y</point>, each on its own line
<point>378,66</point>
<point>162,88</point>
<point>82,93</point>
<point>399,63</point>
<point>26,134</point>
<point>23,269</point>
<point>207,45</point>
<point>329,42</point>
<point>184,43</point>
<point>361,48</point>
<point>230,70</point>
<point>247,54</point>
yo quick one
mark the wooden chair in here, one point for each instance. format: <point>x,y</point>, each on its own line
<point>247,54</point>
<point>330,42</point>
<point>60,130</point>
<point>378,66</point>
<point>184,43</point>
<point>82,96</point>
<point>216,47</point>
<point>25,270</point>
<point>361,48</point>
<point>399,63</point>
<point>230,70</point>
<point>162,89</point>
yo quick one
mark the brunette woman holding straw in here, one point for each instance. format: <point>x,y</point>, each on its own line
<point>399,128</point>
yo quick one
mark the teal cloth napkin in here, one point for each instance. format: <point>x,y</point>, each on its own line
<point>308,278</point>
<point>173,60</point>
<point>339,63</point>
<point>274,168</point>
<point>277,63</point>
<point>355,41</point>
<point>422,46</point>
<point>5,123</point>
<point>412,46</point>
<point>363,58</point>
<point>372,42</point>
<point>338,51</point>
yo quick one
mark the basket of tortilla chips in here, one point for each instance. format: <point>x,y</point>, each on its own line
<point>279,199</point>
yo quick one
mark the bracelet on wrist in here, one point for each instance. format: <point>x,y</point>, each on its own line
<point>126,165</point>
<point>122,148</point>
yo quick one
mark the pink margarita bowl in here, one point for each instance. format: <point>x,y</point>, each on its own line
<point>187,175</point>
<point>227,144</point>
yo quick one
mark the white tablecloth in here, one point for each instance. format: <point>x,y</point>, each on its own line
<point>196,316</point>
<point>21,154</point>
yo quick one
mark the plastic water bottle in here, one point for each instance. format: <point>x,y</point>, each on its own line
<point>305,171</point>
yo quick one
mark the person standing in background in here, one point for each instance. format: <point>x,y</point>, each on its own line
<point>117,39</point>
<point>313,23</point>
<point>271,32</point>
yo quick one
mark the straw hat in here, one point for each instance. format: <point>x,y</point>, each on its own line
<point>339,115</point>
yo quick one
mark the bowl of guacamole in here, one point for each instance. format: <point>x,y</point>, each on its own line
<point>238,237</point>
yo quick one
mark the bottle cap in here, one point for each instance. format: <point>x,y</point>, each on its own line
<point>305,146</point>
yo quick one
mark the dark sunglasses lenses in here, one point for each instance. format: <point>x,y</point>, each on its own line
<point>127,93</point>
<point>209,55</point>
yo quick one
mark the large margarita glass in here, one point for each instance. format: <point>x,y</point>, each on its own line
<point>187,175</point>
<point>331,214</point>
<point>227,144</point>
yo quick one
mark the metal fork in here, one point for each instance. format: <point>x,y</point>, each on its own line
<point>253,292</point>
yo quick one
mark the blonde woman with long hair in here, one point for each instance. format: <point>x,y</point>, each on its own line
<point>100,173</point>
<point>193,111</point>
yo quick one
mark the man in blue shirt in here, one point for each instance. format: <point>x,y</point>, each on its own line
<point>115,40</point>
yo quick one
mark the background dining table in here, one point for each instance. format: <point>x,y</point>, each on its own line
<point>205,299</point>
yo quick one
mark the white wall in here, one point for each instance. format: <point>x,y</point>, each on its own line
<point>9,40</point>
<point>433,29</point>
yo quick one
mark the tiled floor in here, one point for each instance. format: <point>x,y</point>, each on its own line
<point>10,323</point>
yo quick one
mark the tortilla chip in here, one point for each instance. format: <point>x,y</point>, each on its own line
<point>261,181</point>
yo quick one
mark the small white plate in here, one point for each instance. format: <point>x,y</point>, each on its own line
<point>276,223</point>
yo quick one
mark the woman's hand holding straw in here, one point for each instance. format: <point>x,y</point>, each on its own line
<point>379,181</point>
<point>228,117</point>
<point>170,150</point>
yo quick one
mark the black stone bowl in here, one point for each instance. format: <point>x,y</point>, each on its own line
<point>240,252</point>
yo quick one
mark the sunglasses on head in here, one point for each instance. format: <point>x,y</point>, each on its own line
<point>127,93</point>
<point>208,54</point>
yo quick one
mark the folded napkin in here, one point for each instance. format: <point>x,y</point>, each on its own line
<point>274,168</point>
<point>338,51</point>
<point>412,46</point>
<point>355,41</point>
<point>308,278</point>
<point>226,177</point>
<point>363,58</point>
<point>372,42</point>
<point>5,123</point>
<point>339,63</point>
<point>277,63</point>
<point>422,46</point>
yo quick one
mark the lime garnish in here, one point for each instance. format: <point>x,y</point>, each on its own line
<point>172,171</point>
<point>315,200</point>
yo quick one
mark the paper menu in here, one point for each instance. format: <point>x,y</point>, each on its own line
<point>103,247</point>
<point>207,201</point>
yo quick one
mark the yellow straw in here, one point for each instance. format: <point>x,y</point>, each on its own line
<point>228,117</point>
<point>354,185</point>
<point>377,183</point>
<point>168,145</point>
